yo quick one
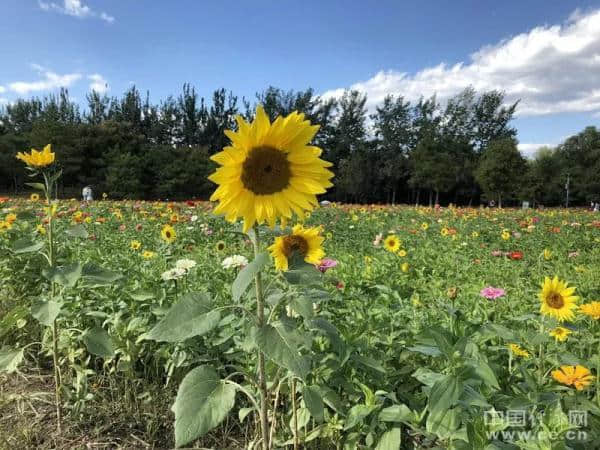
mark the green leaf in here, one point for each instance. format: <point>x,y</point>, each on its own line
<point>390,440</point>
<point>356,415</point>
<point>45,312</point>
<point>396,413</point>
<point>77,231</point>
<point>445,423</point>
<point>314,402</point>
<point>203,401</point>
<point>99,276</point>
<point>330,331</point>
<point>193,315</point>
<point>11,318</point>
<point>303,306</point>
<point>99,343</point>
<point>25,245</point>
<point>280,345</point>
<point>369,362</point>
<point>302,273</point>
<point>247,274</point>
<point>10,359</point>
<point>483,371</point>
<point>427,376</point>
<point>65,276</point>
<point>444,394</point>
<point>38,186</point>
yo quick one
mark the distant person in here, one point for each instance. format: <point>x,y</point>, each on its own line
<point>592,206</point>
<point>87,194</point>
<point>597,207</point>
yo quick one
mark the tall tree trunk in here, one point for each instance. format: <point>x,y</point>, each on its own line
<point>437,197</point>
<point>394,196</point>
<point>430,198</point>
<point>418,195</point>
<point>499,201</point>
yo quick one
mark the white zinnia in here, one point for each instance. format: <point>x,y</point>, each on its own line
<point>173,274</point>
<point>234,261</point>
<point>185,264</point>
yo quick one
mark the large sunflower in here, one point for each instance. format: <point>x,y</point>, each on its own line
<point>36,159</point>
<point>306,241</point>
<point>557,299</point>
<point>391,243</point>
<point>269,171</point>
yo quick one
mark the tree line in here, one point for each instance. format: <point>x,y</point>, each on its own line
<point>463,151</point>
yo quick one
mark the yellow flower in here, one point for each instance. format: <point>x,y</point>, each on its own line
<point>404,267</point>
<point>560,334</point>
<point>220,246</point>
<point>444,231</point>
<point>505,235</point>
<point>147,254</point>
<point>34,197</point>
<point>475,234</point>
<point>306,241</point>
<point>174,218</point>
<point>329,235</point>
<point>354,218</point>
<point>517,350</point>
<point>51,210</point>
<point>168,233</point>
<point>135,245</point>
<point>424,226</point>
<point>11,218</point>
<point>591,309</point>
<point>557,299</point>
<point>40,229</point>
<point>402,253</point>
<point>88,219</point>
<point>4,226</point>
<point>547,254</point>
<point>37,159</point>
<point>577,376</point>
<point>391,243</point>
<point>269,170</point>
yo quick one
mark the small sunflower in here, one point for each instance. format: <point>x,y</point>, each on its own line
<point>591,309</point>
<point>577,376</point>
<point>220,246</point>
<point>560,334</point>
<point>269,170</point>
<point>135,245</point>
<point>147,254</point>
<point>547,254</point>
<point>36,159</point>
<point>404,267</point>
<point>391,243</point>
<point>168,233</point>
<point>557,299</point>
<point>517,350</point>
<point>402,253</point>
<point>306,241</point>
<point>34,197</point>
<point>424,226</point>
<point>505,235</point>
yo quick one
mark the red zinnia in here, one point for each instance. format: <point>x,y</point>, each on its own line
<point>515,255</point>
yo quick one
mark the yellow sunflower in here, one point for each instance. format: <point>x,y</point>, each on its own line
<point>404,267</point>
<point>135,245</point>
<point>220,246</point>
<point>305,241</point>
<point>591,309</point>
<point>269,171</point>
<point>557,299</point>
<point>577,376</point>
<point>37,159</point>
<point>168,233</point>
<point>560,334</point>
<point>34,197</point>
<point>517,350</point>
<point>147,254</point>
<point>424,226</point>
<point>391,243</point>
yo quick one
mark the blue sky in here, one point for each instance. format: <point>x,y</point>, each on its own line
<point>545,52</point>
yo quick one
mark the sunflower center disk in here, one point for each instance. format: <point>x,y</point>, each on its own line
<point>293,244</point>
<point>265,171</point>
<point>556,301</point>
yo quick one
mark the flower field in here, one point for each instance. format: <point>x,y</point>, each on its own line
<point>395,343</point>
<point>266,322</point>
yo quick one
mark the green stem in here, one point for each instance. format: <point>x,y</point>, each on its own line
<point>262,382</point>
<point>541,354</point>
<point>295,415</point>
<point>51,260</point>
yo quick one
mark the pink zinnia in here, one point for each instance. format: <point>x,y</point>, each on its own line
<point>492,293</point>
<point>326,263</point>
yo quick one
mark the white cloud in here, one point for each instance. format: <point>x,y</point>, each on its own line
<point>552,69</point>
<point>529,149</point>
<point>50,80</point>
<point>2,89</point>
<point>98,83</point>
<point>75,8</point>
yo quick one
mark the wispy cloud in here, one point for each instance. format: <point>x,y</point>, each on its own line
<point>75,8</point>
<point>98,83</point>
<point>529,149</point>
<point>552,69</point>
<point>2,89</point>
<point>49,80</point>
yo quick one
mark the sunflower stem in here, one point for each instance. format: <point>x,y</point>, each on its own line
<point>262,382</point>
<point>295,413</point>
<point>541,353</point>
